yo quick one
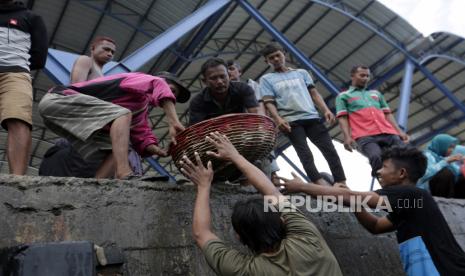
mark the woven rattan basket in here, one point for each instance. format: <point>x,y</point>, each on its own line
<point>253,136</point>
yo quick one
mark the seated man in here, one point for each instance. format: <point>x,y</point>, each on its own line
<point>366,119</point>
<point>282,243</point>
<point>101,116</point>
<point>426,242</point>
<point>221,96</point>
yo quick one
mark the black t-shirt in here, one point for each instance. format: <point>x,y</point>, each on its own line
<point>415,213</point>
<point>240,97</point>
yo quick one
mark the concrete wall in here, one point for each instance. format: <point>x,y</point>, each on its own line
<point>152,222</point>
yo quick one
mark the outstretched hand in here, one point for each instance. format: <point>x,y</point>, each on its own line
<point>292,185</point>
<point>196,172</point>
<point>225,149</point>
<point>174,129</point>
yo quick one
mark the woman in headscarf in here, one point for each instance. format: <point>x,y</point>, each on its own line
<point>439,177</point>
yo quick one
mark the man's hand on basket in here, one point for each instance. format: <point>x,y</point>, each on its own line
<point>196,171</point>
<point>225,149</point>
<point>174,129</point>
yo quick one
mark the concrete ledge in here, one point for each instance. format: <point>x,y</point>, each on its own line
<point>151,222</point>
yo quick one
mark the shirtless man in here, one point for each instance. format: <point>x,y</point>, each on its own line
<point>62,159</point>
<point>85,68</point>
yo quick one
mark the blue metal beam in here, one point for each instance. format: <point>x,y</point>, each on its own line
<point>159,168</point>
<point>458,103</point>
<point>138,26</point>
<point>209,38</point>
<point>400,47</point>
<point>427,58</point>
<point>59,64</point>
<point>199,36</point>
<point>332,88</point>
<point>365,24</point>
<point>389,74</point>
<point>405,92</point>
<point>360,45</point>
<point>155,47</point>
<point>346,25</point>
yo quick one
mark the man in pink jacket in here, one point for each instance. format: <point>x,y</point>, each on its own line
<point>100,117</point>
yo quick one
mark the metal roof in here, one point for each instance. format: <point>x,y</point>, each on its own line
<point>334,35</point>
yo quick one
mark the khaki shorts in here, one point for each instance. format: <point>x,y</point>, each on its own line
<point>15,97</point>
<point>80,119</point>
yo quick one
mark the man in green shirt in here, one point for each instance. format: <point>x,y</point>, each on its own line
<point>282,243</point>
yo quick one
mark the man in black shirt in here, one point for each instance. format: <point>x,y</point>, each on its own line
<point>427,245</point>
<point>221,96</point>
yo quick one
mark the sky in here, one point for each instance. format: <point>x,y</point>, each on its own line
<point>427,16</point>
<point>356,166</point>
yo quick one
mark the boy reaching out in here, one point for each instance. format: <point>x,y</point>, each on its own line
<point>421,227</point>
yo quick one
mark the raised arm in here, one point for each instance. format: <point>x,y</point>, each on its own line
<point>226,151</point>
<point>296,185</point>
<point>371,222</point>
<point>202,178</point>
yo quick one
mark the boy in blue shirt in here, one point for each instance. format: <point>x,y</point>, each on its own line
<point>290,97</point>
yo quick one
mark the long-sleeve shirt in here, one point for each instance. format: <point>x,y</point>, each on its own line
<point>134,91</point>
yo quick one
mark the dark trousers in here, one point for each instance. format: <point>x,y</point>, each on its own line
<point>316,131</point>
<point>372,147</point>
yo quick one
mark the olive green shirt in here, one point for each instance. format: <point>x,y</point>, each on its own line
<point>303,252</point>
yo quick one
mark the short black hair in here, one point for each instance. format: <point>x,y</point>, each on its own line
<point>355,68</point>
<point>271,48</point>
<point>260,231</point>
<point>232,62</point>
<point>210,63</point>
<point>409,158</point>
<point>100,39</point>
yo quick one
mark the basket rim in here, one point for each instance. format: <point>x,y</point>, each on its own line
<point>188,129</point>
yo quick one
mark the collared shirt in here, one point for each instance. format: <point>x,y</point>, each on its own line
<point>366,110</point>
<point>290,91</point>
<point>203,106</point>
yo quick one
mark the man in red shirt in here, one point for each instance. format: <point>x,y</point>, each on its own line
<point>366,119</point>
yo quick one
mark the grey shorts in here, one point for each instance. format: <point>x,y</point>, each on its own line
<point>80,119</point>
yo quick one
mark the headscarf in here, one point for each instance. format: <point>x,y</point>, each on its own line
<point>440,143</point>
